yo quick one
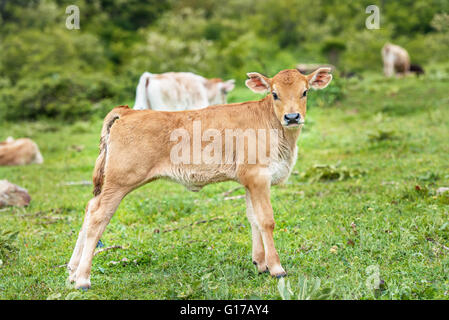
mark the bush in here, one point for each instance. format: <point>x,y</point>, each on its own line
<point>433,47</point>
<point>65,96</point>
<point>328,97</point>
<point>363,50</point>
<point>333,47</point>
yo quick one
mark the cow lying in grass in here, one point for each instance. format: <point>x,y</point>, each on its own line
<point>138,147</point>
<point>19,152</point>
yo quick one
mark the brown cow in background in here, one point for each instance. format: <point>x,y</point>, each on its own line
<point>19,152</point>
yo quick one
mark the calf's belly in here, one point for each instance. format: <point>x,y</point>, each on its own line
<point>195,178</point>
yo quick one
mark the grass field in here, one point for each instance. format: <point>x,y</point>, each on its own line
<point>371,207</point>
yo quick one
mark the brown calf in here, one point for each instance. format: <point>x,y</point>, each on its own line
<point>19,152</point>
<point>137,147</point>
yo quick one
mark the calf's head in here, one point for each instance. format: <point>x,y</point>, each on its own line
<point>217,90</point>
<point>289,90</point>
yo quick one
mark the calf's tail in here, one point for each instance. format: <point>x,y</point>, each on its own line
<point>98,174</point>
<point>142,101</point>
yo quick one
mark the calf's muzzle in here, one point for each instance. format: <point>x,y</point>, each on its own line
<point>292,118</point>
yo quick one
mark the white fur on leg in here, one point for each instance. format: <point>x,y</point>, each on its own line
<point>258,252</point>
<point>79,246</point>
<point>72,274</point>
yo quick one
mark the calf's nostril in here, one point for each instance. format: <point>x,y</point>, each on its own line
<point>292,117</point>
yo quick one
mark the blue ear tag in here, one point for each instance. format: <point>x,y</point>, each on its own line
<point>100,244</point>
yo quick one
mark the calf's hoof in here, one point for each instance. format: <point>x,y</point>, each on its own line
<point>281,275</point>
<point>82,284</point>
<point>265,271</point>
<point>72,277</point>
<point>261,267</point>
<point>278,272</point>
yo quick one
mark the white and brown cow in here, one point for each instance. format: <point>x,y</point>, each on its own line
<point>19,152</point>
<point>396,60</point>
<point>176,91</point>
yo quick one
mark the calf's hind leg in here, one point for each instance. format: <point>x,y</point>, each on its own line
<point>94,225</point>
<point>76,255</point>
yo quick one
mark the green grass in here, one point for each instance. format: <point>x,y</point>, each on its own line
<point>393,134</point>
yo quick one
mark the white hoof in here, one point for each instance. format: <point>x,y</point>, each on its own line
<point>261,266</point>
<point>72,277</point>
<point>277,271</point>
<point>83,284</point>
<point>72,274</point>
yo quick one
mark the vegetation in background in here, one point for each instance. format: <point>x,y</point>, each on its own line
<point>47,70</point>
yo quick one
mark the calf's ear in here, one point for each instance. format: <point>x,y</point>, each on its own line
<point>257,83</point>
<point>320,78</point>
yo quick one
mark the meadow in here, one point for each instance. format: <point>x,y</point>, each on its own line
<point>361,204</point>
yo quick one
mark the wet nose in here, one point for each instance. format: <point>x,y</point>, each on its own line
<point>292,118</point>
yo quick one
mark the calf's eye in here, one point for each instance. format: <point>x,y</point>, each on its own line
<point>304,93</point>
<point>275,96</point>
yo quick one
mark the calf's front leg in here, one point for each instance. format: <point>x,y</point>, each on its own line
<point>258,251</point>
<point>259,192</point>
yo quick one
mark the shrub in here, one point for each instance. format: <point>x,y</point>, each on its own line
<point>329,96</point>
<point>65,96</point>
